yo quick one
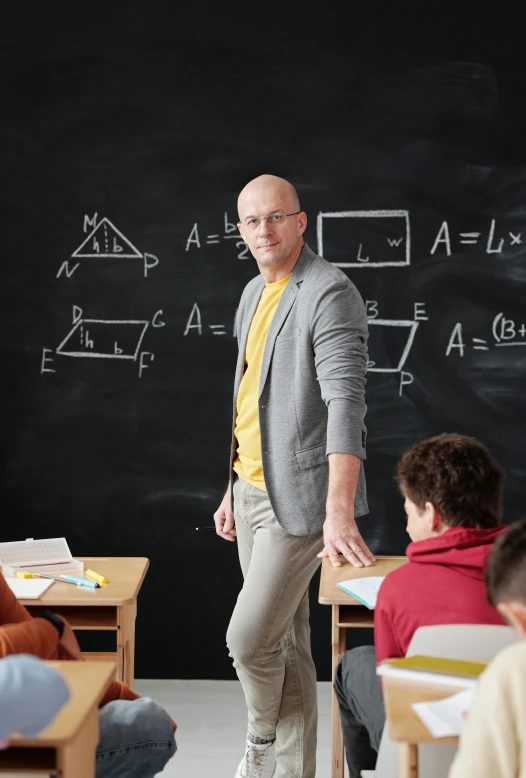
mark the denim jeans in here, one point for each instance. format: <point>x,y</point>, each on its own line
<point>269,633</point>
<point>136,739</point>
<point>361,703</point>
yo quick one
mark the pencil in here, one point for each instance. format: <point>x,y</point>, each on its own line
<point>54,578</point>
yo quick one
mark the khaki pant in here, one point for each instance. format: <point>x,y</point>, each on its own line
<point>269,633</point>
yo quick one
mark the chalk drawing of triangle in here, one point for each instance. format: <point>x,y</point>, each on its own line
<point>106,241</point>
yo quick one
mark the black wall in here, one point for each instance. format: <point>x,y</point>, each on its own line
<point>154,118</point>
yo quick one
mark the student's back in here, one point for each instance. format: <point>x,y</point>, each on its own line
<point>443,583</point>
<point>453,503</point>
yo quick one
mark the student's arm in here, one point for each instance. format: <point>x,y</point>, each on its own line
<point>31,695</point>
<point>494,736</point>
<point>386,640</point>
<point>11,612</point>
<point>36,636</point>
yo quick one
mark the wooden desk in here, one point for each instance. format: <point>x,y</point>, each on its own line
<point>346,614</point>
<point>67,747</point>
<point>112,607</point>
<point>404,725</point>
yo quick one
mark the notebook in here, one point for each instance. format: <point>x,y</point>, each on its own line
<point>432,669</point>
<point>29,588</point>
<point>365,589</point>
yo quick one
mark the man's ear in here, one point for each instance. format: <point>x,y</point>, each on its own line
<point>515,614</point>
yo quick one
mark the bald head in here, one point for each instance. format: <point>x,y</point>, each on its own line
<point>267,189</point>
<point>275,243</point>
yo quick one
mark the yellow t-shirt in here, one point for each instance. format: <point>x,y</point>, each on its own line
<point>248,464</point>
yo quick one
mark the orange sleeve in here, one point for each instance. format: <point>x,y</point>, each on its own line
<point>20,633</point>
<point>118,691</point>
<point>11,612</point>
<point>36,636</point>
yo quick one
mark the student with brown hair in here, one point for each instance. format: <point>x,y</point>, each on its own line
<point>453,501</point>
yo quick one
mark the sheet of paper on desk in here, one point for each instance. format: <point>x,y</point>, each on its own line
<point>445,718</point>
<point>363,589</point>
<point>28,588</point>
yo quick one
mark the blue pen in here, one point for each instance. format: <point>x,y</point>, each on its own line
<point>83,581</point>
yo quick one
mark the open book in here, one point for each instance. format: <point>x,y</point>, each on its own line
<point>365,589</point>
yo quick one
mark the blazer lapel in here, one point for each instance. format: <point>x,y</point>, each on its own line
<point>282,311</point>
<point>245,326</point>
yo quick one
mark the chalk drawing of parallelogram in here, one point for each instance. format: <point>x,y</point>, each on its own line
<point>390,342</point>
<point>106,241</point>
<point>372,238</point>
<point>104,339</point>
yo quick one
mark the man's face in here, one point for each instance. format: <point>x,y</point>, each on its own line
<point>417,521</point>
<point>270,244</point>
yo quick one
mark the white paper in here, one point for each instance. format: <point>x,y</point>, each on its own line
<point>364,589</point>
<point>29,588</point>
<point>445,718</point>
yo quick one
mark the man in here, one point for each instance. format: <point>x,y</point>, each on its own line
<point>493,742</point>
<point>297,482</point>
<point>453,501</point>
<point>136,735</point>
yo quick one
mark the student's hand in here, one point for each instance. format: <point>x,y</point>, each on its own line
<point>68,645</point>
<point>342,536</point>
<point>224,519</point>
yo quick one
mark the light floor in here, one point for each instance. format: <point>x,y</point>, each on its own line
<point>211,726</point>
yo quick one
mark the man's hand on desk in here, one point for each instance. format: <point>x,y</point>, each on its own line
<point>342,536</point>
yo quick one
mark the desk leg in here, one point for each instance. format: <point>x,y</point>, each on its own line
<point>126,642</point>
<point>408,756</point>
<point>338,647</point>
<point>77,758</point>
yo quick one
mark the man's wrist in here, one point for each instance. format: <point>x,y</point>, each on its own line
<point>54,619</point>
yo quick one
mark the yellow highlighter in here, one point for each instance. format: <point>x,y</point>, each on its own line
<point>99,578</point>
<point>23,574</point>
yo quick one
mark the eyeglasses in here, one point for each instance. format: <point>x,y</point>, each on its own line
<point>274,220</point>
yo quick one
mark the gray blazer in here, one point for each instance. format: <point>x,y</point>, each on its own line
<point>311,394</point>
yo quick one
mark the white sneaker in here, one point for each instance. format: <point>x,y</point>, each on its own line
<point>258,762</point>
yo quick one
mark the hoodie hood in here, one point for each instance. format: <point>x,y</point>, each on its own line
<point>460,548</point>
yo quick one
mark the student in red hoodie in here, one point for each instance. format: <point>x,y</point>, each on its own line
<point>453,501</point>
<point>136,735</point>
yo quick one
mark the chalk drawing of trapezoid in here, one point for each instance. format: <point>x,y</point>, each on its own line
<point>390,342</point>
<point>106,241</point>
<point>104,339</point>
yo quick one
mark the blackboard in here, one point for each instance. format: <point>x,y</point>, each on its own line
<point>128,132</point>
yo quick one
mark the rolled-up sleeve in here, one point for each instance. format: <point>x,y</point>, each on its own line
<point>340,333</point>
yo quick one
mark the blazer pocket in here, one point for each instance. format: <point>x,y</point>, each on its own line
<point>311,457</point>
<point>288,336</point>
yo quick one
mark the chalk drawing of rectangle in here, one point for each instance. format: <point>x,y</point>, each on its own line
<point>396,230</point>
<point>401,341</point>
<point>106,334</point>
